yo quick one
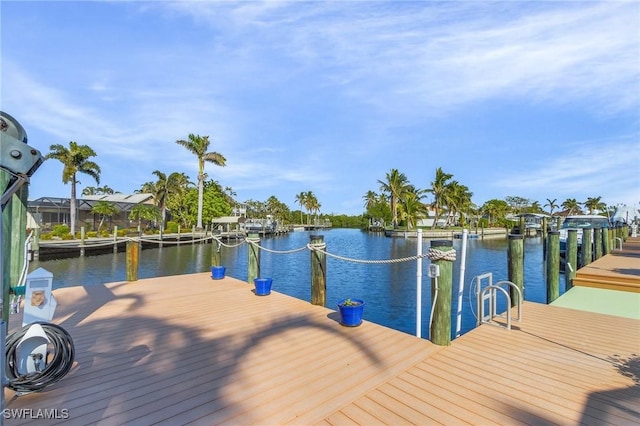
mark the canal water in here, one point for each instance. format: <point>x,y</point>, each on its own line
<point>389,289</point>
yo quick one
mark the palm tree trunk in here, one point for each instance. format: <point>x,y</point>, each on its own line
<point>200,193</point>
<point>72,208</point>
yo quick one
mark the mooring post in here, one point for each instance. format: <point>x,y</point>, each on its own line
<point>571,257</point>
<point>216,255</point>
<point>606,240</point>
<point>318,271</point>
<point>178,233</point>
<point>515,257</point>
<point>133,256</point>
<point>543,228</point>
<point>586,246</point>
<point>160,235</point>
<point>115,239</point>
<point>83,235</point>
<point>254,257</point>
<point>35,247</point>
<point>553,266</point>
<point>597,243</point>
<point>441,255</point>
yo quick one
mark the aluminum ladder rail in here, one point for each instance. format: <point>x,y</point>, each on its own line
<point>490,294</point>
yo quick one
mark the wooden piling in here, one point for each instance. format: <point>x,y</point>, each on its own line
<point>515,257</point>
<point>115,239</point>
<point>597,243</point>
<point>318,272</point>
<point>216,255</point>
<point>83,236</point>
<point>254,258</point>
<point>571,257</point>
<point>133,257</point>
<point>586,247</point>
<point>35,246</point>
<point>553,266</point>
<point>522,226</point>
<point>441,292</point>
<point>606,240</point>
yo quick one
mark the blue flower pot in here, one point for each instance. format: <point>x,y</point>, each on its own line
<point>217,272</point>
<point>351,315</point>
<point>263,286</point>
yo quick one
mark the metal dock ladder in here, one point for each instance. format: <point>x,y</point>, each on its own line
<point>489,295</point>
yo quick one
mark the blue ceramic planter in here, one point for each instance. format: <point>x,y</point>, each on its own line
<point>263,286</point>
<point>217,272</point>
<point>351,315</point>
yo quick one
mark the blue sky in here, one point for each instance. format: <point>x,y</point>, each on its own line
<point>539,100</point>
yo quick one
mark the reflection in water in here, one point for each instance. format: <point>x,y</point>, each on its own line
<point>389,289</point>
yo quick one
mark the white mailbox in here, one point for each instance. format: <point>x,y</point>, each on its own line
<point>39,303</point>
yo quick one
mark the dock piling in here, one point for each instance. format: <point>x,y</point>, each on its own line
<point>553,266</point>
<point>586,246</point>
<point>133,257</point>
<point>571,258</point>
<point>318,272</point>
<point>254,258</point>
<point>441,291</point>
<point>515,257</point>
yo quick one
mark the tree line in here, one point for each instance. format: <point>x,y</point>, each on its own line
<point>399,203</point>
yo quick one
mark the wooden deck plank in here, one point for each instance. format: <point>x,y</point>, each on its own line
<point>191,350</point>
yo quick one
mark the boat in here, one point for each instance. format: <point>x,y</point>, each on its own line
<point>580,223</point>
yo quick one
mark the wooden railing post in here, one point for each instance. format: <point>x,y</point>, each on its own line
<point>318,272</point>
<point>515,257</point>
<point>553,266</point>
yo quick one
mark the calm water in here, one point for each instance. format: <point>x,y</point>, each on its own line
<point>388,289</point>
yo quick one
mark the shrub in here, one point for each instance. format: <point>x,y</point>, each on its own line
<point>60,230</point>
<point>172,227</point>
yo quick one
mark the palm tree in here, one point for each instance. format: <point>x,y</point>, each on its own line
<point>571,205</point>
<point>369,199</point>
<point>310,204</point>
<point>439,188</point>
<point>74,159</point>
<point>495,209</point>
<point>552,205</point>
<point>301,199</point>
<point>594,203</point>
<point>414,208</point>
<point>395,185</point>
<point>458,200</point>
<point>104,209</point>
<point>199,145</point>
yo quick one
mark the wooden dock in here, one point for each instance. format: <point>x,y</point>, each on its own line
<point>620,270</point>
<point>192,350</point>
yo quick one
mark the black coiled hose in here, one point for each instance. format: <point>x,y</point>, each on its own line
<point>56,369</point>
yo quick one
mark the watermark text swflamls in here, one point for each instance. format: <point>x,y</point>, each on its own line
<point>36,413</point>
